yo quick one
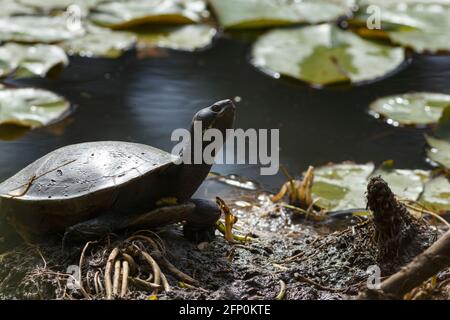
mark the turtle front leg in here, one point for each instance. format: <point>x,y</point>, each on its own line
<point>201,223</point>
<point>93,229</point>
<point>107,223</point>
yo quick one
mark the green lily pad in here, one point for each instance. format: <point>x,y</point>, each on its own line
<point>30,107</point>
<point>423,26</point>
<point>420,108</point>
<point>100,42</point>
<point>26,60</point>
<point>324,54</point>
<point>442,130</point>
<point>124,14</point>
<point>33,29</point>
<point>52,5</point>
<point>439,151</point>
<point>186,38</point>
<point>406,184</point>
<point>341,186</point>
<point>13,7</point>
<point>436,195</point>
<point>265,13</point>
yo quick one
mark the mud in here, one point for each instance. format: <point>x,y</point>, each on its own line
<point>315,260</point>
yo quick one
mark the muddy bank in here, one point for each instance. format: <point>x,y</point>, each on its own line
<point>289,258</point>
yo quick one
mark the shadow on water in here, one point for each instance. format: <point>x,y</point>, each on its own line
<point>143,100</point>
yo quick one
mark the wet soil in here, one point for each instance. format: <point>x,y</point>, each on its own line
<point>314,260</point>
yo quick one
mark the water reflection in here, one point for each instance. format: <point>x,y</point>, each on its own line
<point>143,100</point>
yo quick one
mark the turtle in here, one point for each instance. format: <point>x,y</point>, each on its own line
<point>85,191</point>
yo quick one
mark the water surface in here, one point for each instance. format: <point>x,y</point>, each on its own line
<point>143,100</point>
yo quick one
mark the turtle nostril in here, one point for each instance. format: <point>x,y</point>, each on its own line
<point>216,108</point>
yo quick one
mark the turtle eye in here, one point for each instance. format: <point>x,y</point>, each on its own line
<point>216,108</point>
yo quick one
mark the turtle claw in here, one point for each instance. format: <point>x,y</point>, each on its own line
<point>197,235</point>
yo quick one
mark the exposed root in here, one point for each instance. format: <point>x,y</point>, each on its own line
<point>165,283</point>
<point>125,274</point>
<point>108,269</point>
<point>116,281</point>
<point>144,285</point>
<point>396,231</point>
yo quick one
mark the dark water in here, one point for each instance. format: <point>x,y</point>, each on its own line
<point>143,100</point>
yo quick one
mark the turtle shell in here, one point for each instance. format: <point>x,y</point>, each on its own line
<point>79,181</point>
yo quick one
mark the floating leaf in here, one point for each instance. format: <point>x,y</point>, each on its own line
<point>31,107</point>
<point>442,130</point>
<point>187,38</point>
<point>436,195</point>
<point>421,108</point>
<point>324,54</point>
<point>264,13</point>
<point>32,29</point>
<point>123,14</point>
<point>100,42</point>
<point>52,5</point>
<point>406,184</point>
<point>404,2</point>
<point>25,60</point>
<point>421,25</point>
<point>341,186</point>
<point>13,7</point>
<point>439,152</point>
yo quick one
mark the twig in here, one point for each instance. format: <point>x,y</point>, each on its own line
<point>301,278</point>
<point>282,293</point>
<point>421,268</point>
<point>173,270</point>
<point>423,210</point>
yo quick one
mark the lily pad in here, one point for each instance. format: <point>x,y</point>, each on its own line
<point>13,7</point>
<point>406,184</point>
<point>265,13</point>
<point>31,107</point>
<point>421,25</point>
<point>442,130</point>
<point>439,151</point>
<point>341,186</point>
<point>324,54</point>
<point>33,29</point>
<point>25,60</point>
<point>436,195</point>
<point>187,38</point>
<point>124,14</point>
<point>52,5</point>
<point>100,42</point>
<point>421,108</point>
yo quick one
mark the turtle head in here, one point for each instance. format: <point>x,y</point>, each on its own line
<point>218,116</point>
